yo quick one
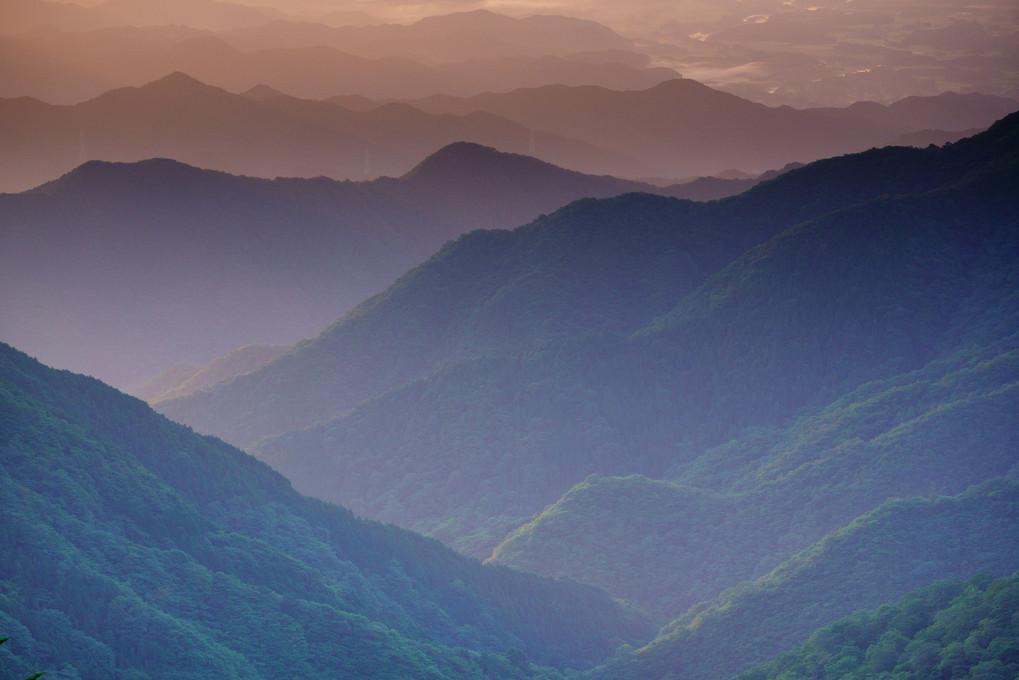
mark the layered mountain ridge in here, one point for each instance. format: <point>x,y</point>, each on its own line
<point>597,359</point>
<point>148,264</point>
<point>675,130</point>
<point>877,280</point>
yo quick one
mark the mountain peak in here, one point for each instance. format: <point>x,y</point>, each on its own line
<point>175,80</point>
<point>94,175</point>
<point>262,93</point>
<point>177,85</point>
<point>466,159</point>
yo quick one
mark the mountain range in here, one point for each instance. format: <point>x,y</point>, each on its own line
<point>263,134</point>
<point>780,54</point>
<point>135,547</point>
<point>122,528</point>
<point>488,346</point>
<point>748,418</point>
<point>804,360</point>
<point>458,54</point>
<point>136,284</point>
<point>681,127</point>
<point>676,130</point>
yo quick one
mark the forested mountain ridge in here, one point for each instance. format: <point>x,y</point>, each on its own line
<point>132,545</point>
<point>542,418</point>
<point>944,428</point>
<point>673,247</point>
<point>652,404</point>
<point>952,628</point>
<point>898,547</point>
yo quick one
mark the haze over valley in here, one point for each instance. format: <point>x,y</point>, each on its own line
<point>596,341</point>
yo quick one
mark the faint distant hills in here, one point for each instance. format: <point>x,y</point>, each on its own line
<point>121,270</point>
<point>264,135</point>
<point>682,127</point>
<point>459,54</point>
<point>786,54</point>
<point>450,38</point>
<point>676,129</point>
<point>26,15</point>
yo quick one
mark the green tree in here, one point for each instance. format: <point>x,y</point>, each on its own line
<point>33,676</point>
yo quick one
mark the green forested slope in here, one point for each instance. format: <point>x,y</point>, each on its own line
<point>132,547</point>
<point>951,629</point>
<point>773,491</point>
<point>608,266</point>
<point>879,557</point>
<point>855,296</point>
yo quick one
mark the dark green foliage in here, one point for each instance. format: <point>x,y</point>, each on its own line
<point>6,670</point>
<point>129,543</point>
<point>951,629</point>
<point>881,556</point>
<point>773,492</point>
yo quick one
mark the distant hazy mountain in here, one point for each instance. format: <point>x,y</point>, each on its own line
<point>681,127</point>
<point>630,335</point>
<point>947,111</point>
<point>27,15</point>
<point>261,135</point>
<point>67,67</point>
<point>204,14</point>
<point>132,547</point>
<point>456,37</point>
<point>121,270</point>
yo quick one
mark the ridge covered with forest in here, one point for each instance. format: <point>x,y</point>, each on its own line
<point>136,548</point>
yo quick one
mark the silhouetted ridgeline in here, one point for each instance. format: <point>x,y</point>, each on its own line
<point>121,270</point>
